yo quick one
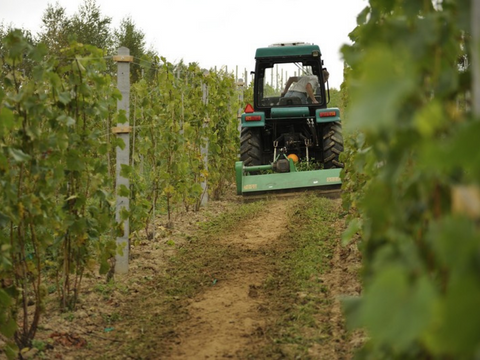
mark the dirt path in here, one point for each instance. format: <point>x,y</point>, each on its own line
<point>223,319</point>
<point>224,291</point>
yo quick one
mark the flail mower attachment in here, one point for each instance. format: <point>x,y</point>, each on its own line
<point>286,178</point>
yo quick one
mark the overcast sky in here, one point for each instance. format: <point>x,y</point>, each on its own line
<point>218,32</point>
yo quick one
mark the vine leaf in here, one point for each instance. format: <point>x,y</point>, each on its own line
<point>7,119</point>
<point>411,300</point>
<point>18,155</point>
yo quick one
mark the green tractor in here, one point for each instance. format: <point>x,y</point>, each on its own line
<point>290,139</point>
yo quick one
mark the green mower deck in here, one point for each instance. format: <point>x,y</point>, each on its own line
<point>248,184</point>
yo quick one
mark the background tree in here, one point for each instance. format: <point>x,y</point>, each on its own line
<point>56,28</point>
<point>129,36</point>
<point>89,26</point>
<point>23,67</point>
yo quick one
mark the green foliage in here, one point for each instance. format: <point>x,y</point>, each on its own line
<point>223,136</point>
<point>410,151</point>
<point>55,28</point>
<point>312,164</point>
<point>335,98</point>
<point>175,116</point>
<point>57,107</point>
<point>55,207</point>
<point>89,26</point>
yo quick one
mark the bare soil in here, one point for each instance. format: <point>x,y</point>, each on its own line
<point>191,297</point>
<point>226,318</point>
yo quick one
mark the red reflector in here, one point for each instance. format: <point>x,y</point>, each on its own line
<point>328,114</point>
<point>249,109</point>
<point>253,118</point>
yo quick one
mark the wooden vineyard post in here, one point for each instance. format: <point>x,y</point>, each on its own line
<point>122,131</point>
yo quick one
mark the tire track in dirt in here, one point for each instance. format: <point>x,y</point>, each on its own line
<point>228,318</point>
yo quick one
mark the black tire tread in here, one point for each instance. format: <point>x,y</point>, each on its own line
<point>332,145</point>
<point>251,147</point>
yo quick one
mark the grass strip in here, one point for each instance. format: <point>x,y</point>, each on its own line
<point>298,300</point>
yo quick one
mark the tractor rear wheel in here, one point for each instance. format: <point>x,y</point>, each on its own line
<point>332,145</point>
<point>251,147</point>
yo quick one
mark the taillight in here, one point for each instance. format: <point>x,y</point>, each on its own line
<point>253,117</point>
<point>328,114</point>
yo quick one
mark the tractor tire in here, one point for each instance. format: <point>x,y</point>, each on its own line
<point>251,147</point>
<point>332,145</point>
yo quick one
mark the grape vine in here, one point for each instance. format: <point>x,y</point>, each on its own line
<point>55,208</point>
<point>411,180</point>
<point>178,113</point>
<point>57,165</point>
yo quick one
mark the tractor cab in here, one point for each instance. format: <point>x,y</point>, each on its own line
<point>289,126</point>
<point>281,73</point>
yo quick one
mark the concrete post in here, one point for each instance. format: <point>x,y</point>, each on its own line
<point>204,151</point>
<point>123,130</point>
<point>240,90</point>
